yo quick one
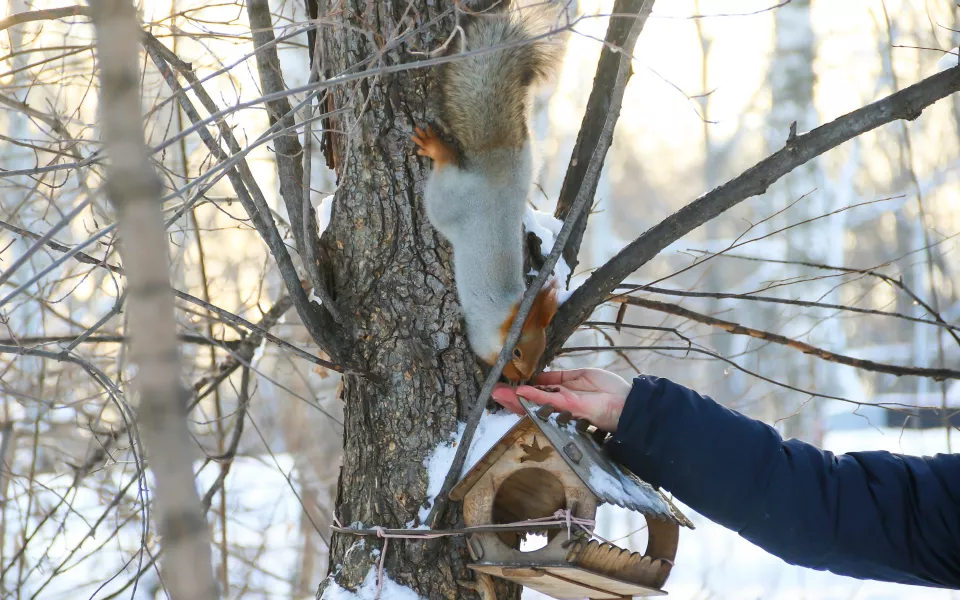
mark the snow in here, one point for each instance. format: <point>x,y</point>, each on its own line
<point>949,60</point>
<point>546,227</point>
<point>368,590</point>
<point>323,207</point>
<point>491,428</point>
<point>262,505</point>
<point>624,490</point>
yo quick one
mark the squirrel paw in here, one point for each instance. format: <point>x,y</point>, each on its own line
<point>431,145</point>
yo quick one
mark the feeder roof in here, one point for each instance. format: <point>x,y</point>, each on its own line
<point>585,457</point>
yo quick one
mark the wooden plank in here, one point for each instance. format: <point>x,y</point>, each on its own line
<point>596,592</point>
<point>605,582</point>
<point>567,581</point>
<point>620,564</point>
<point>546,583</point>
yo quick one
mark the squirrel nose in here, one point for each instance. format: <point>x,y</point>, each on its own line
<point>513,373</point>
<point>525,373</point>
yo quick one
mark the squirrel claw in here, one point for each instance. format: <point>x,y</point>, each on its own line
<point>430,144</point>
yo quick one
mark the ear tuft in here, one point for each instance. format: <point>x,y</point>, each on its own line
<point>545,305</point>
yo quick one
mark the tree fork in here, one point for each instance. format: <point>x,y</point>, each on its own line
<point>392,280</point>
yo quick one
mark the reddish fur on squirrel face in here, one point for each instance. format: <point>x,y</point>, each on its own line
<point>533,338</point>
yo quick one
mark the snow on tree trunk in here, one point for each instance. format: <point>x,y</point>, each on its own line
<point>392,279</point>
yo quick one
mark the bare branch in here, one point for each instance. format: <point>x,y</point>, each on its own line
<point>776,338</point>
<point>134,189</point>
<point>109,339</point>
<point>911,409</point>
<point>202,387</point>
<point>615,61</point>
<point>44,15</point>
<point>787,301</point>
<point>224,315</point>
<point>287,149</point>
<point>892,281</point>
<point>906,104</point>
<point>41,240</point>
<point>252,198</point>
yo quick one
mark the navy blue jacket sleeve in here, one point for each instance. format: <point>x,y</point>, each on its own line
<point>869,515</point>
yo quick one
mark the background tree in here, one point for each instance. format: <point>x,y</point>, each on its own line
<point>301,341</point>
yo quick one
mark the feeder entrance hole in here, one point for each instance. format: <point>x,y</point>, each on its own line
<point>530,493</point>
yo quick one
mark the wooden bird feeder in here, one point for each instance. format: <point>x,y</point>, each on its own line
<point>549,462</point>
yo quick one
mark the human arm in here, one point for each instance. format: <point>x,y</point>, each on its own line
<point>870,515</point>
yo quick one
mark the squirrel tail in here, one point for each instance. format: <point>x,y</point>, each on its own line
<point>486,95</point>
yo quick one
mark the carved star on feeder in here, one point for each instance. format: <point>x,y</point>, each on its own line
<point>546,463</point>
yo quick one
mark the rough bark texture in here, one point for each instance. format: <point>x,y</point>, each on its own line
<point>392,279</point>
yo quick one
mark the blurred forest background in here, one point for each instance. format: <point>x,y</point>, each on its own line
<point>872,225</point>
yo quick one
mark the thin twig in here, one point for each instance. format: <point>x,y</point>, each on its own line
<point>584,197</point>
<point>49,14</point>
<point>906,104</point>
<point>224,315</point>
<point>736,329</point>
<point>872,272</point>
<point>287,149</point>
<point>615,61</point>
<point>686,350</point>
<point>250,195</point>
<point>788,301</point>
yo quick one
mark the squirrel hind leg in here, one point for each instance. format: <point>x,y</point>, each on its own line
<point>430,144</point>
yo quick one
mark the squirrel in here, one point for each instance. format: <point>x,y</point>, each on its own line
<point>476,193</point>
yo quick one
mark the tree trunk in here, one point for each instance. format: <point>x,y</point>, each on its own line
<point>392,279</point>
<point>134,190</point>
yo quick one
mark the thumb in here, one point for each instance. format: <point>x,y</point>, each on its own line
<point>506,396</point>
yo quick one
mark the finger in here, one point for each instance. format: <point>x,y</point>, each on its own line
<point>557,377</point>
<point>549,396</point>
<point>506,396</point>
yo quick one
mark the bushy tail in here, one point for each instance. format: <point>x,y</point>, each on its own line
<point>487,95</point>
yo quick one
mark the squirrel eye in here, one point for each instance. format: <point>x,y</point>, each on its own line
<point>517,353</point>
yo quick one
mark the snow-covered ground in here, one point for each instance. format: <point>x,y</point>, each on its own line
<point>265,512</point>
<point>264,517</point>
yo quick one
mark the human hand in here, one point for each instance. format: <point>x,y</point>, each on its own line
<point>592,394</point>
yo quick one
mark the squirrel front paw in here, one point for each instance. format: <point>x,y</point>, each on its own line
<point>430,144</point>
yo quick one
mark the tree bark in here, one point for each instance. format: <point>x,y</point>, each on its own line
<point>392,279</point>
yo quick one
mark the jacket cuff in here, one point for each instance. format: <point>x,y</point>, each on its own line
<point>631,443</point>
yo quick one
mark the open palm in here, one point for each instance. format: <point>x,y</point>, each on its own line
<point>592,394</point>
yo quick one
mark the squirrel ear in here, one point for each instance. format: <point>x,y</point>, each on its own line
<point>547,302</point>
